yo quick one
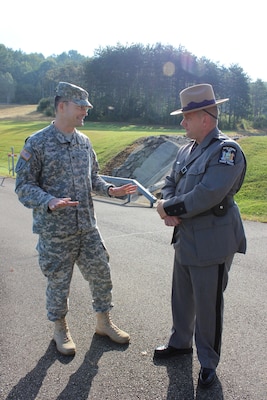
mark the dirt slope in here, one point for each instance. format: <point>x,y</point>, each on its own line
<point>22,112</point>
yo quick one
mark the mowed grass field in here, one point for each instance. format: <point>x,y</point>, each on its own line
<point>17,123</point>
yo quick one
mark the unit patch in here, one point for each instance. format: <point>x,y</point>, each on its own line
<point>228,155</point>
<point>25,155</point>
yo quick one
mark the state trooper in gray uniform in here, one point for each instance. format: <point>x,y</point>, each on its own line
<point>56,174</point>
<point>198,202</point>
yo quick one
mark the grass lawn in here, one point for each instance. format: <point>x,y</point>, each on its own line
<point>109,139</point>
<point>252,198</point>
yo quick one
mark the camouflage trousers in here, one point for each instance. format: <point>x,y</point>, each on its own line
<point>57,257</point>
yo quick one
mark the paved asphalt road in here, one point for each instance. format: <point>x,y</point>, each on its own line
<point>141,259</point>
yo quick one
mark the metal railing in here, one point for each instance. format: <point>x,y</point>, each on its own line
<point>118,181</point>
<point>11,161</point>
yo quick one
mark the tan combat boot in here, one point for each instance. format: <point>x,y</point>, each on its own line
<point>105,327</point>
<point>63,339</point>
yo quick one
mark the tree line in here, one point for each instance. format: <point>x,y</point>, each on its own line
<point>132,84</point>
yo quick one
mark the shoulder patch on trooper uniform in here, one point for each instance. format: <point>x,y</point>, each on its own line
<point>228,154</point>
<point>25,155</point>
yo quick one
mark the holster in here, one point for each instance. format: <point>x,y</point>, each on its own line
<point>220,210</point>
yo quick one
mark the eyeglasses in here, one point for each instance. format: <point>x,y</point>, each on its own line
<point>82,108</point>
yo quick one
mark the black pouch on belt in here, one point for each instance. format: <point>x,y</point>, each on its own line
<point>220,210</point>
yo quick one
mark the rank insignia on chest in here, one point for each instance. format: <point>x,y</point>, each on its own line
<point>228,155</point>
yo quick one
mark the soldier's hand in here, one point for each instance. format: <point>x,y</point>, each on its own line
<point>129,188</point>
<point>57,203</point>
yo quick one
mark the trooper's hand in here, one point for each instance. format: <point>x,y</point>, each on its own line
<point>160,209</point>
<point>172,220</point>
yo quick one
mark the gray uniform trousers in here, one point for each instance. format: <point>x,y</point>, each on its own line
<point>57,256</point>
<point>197,303</point>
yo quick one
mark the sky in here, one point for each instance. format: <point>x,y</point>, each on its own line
<point>227,32</point>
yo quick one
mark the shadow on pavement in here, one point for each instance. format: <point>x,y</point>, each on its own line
<point>80,382</point>
<point>181,385</point>
<point>29,386</point>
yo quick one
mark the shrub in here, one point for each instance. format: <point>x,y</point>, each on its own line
<point>46,106</point>
<point>260,122</point>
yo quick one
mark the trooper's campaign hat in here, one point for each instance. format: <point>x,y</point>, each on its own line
<point>197,97</point>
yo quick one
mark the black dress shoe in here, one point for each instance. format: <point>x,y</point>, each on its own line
<point>207,377</point>
<point>169,351</point>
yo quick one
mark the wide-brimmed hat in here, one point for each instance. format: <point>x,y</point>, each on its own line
<point>197,97</point>
<point>75,94</point>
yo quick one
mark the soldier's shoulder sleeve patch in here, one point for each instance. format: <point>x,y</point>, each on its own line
<point>25,154</point>
<point>228,154</point>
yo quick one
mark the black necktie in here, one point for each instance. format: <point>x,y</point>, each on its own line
<point>193,147</point>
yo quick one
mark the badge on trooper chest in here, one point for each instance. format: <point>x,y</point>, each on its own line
<point>228,155</point>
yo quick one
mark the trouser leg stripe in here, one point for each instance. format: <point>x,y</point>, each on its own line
<point>218,331</point>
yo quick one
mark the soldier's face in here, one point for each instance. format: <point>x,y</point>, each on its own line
<point>75,114</point>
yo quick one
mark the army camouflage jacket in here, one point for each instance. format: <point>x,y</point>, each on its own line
<point>53,166</point>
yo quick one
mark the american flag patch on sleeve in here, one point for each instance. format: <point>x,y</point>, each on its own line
<point>25,155</point>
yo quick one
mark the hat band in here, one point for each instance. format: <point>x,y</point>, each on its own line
<point>193,105</point>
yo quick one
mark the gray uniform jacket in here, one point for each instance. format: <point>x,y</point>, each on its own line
<point>51,166</point>
<point>199,181</point>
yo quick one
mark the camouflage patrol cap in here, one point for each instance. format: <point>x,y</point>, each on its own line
<point>73,93</point>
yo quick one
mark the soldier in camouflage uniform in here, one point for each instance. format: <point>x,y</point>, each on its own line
<point>56,174</point>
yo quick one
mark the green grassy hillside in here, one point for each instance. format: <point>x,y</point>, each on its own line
<point>110,139</point>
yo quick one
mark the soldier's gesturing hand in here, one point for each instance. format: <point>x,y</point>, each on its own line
<point>56,203</point>
<point>129,188</point>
